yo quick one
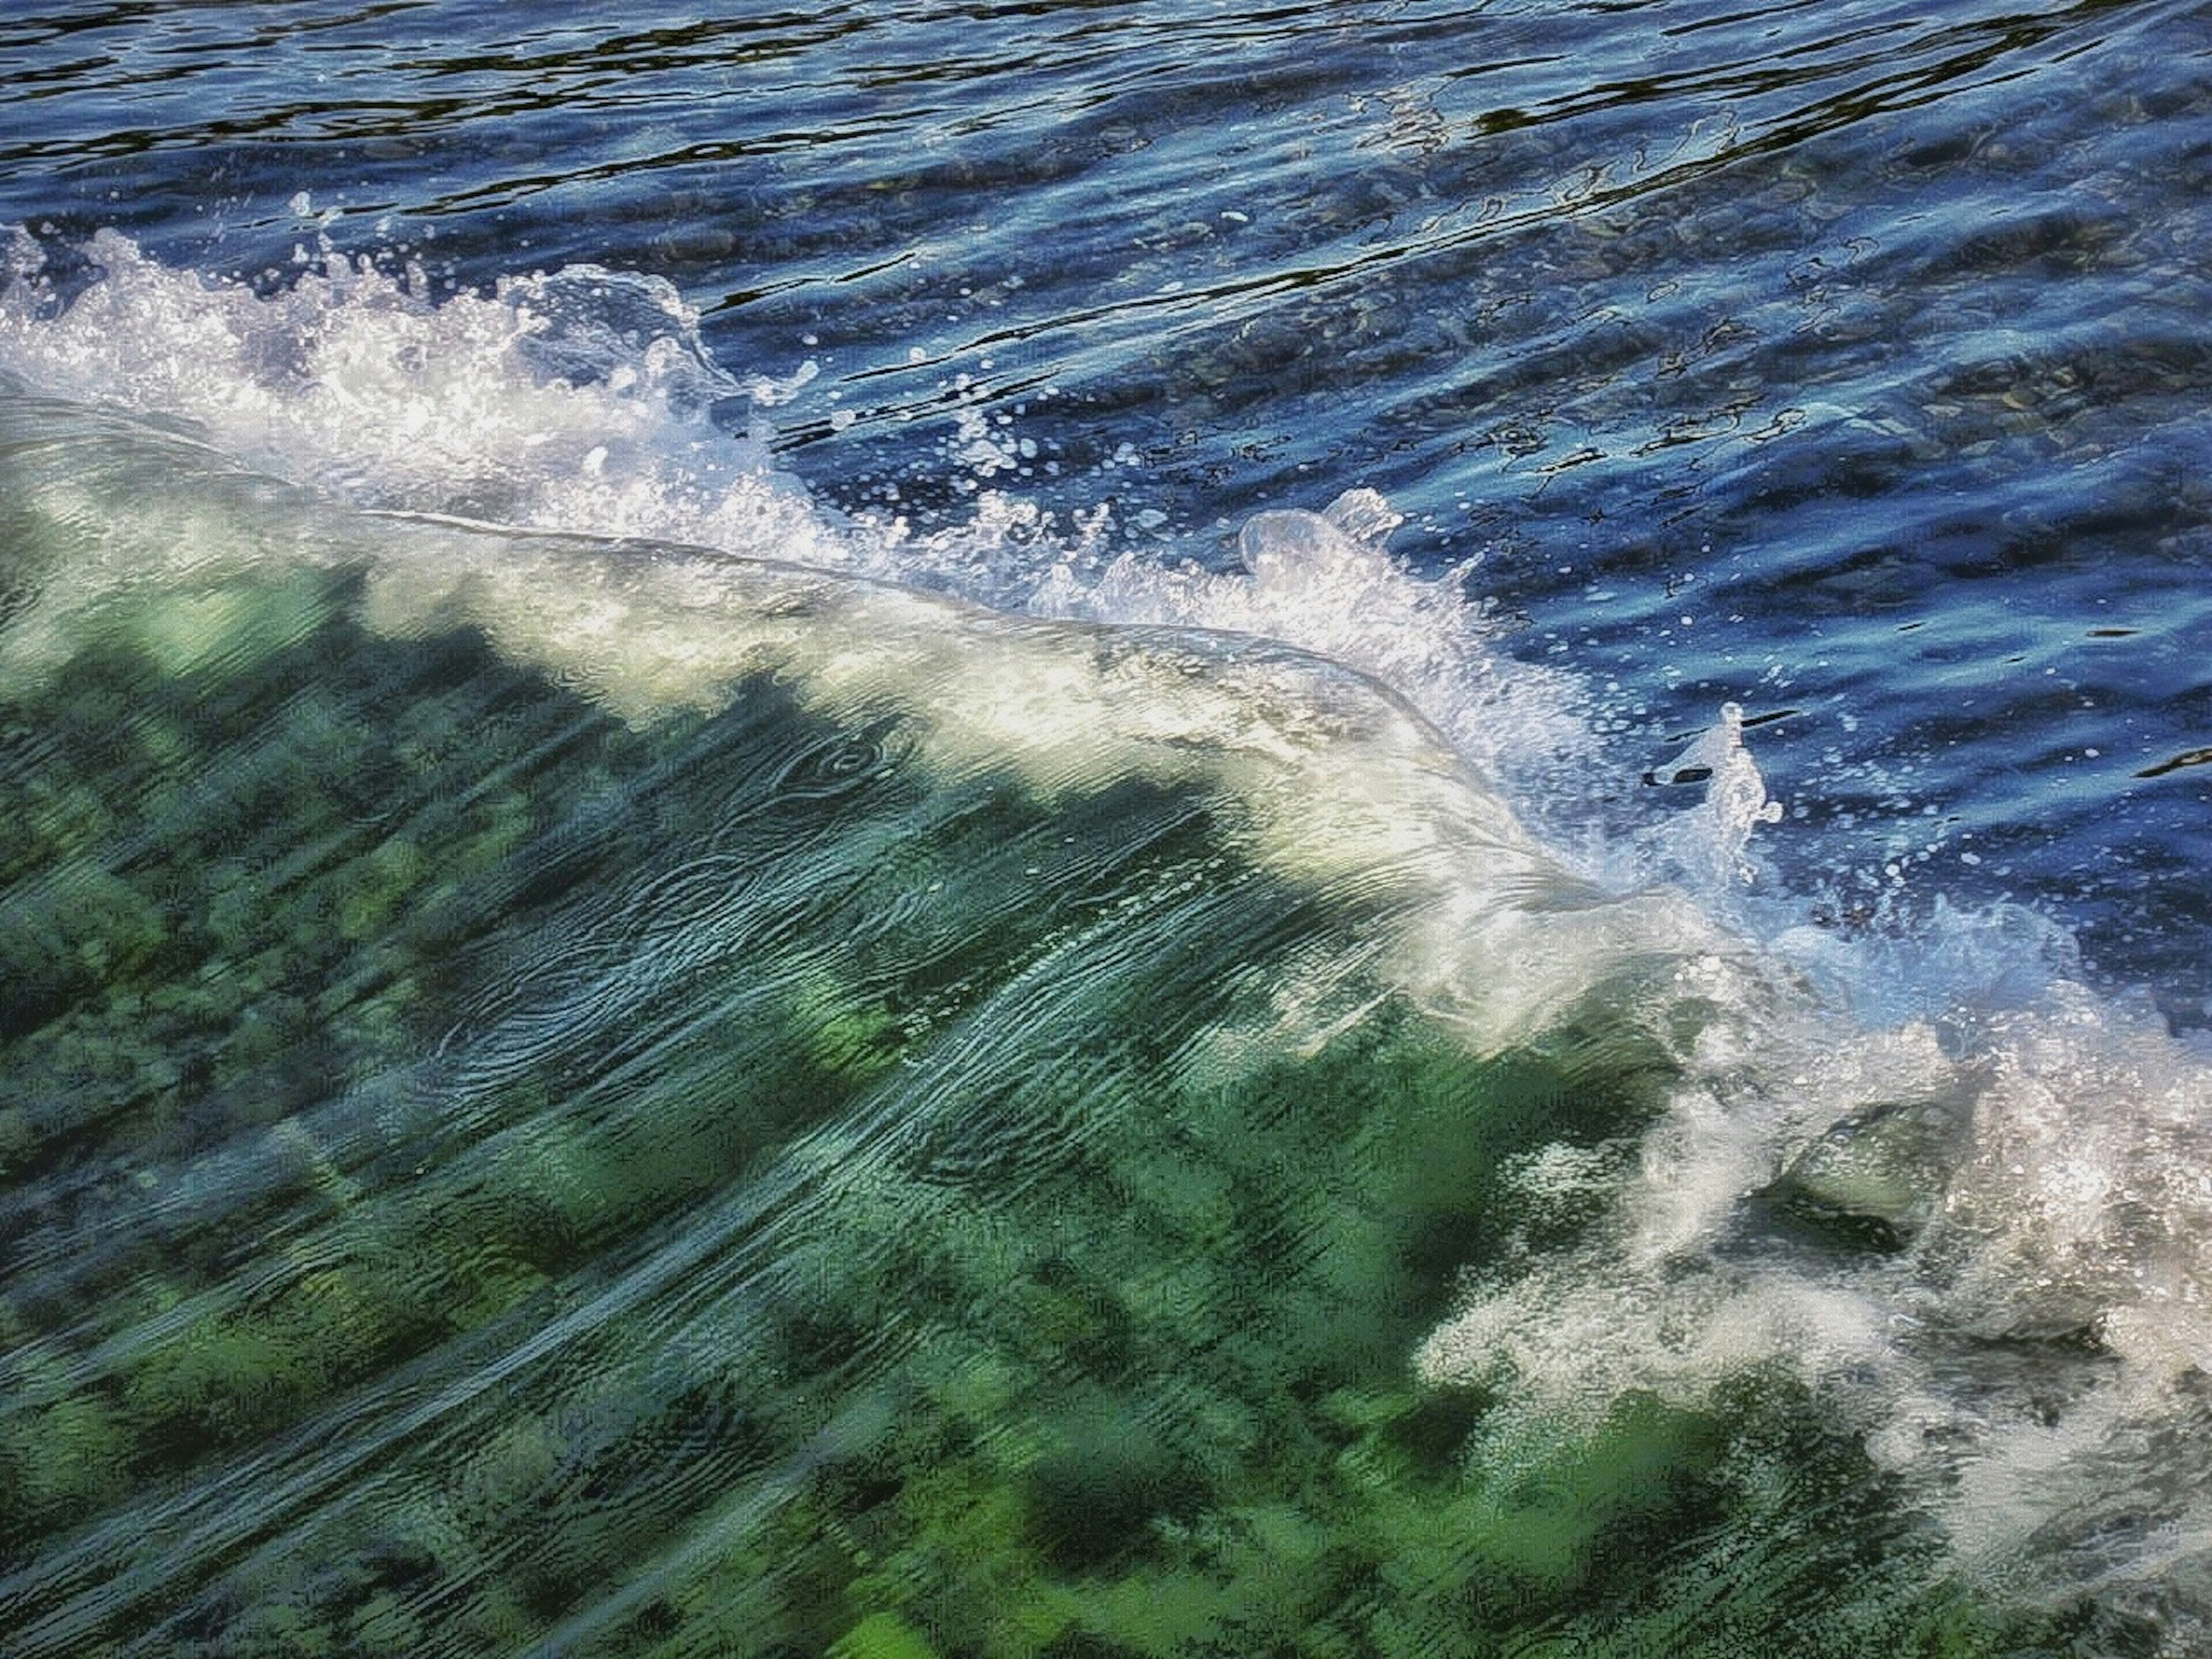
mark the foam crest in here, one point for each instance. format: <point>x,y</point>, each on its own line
<point>584,401</point>
<point>1324,582</point>
<point>575,401</point>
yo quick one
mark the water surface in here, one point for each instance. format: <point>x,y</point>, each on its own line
<point>731,928</point>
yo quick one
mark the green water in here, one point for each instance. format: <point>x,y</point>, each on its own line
<point>495,1163</point>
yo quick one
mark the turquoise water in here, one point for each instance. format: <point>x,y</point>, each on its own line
<point>1119,830</point>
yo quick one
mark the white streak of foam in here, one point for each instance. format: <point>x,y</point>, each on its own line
<point>1324,582</point>
<point>580,402</point>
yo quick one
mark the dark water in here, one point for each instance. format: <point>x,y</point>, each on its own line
<point>1132,1069</point>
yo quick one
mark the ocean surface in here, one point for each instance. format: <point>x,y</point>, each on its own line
<point>1104,830</point>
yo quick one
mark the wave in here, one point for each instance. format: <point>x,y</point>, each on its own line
<point>878,1031</point>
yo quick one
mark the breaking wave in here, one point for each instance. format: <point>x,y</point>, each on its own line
<point>1953,1196</point>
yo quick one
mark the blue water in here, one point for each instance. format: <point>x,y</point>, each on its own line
<point>1845,363</point>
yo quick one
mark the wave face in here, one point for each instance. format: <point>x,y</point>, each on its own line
<point>587,401</point>
<point>603,1059</point>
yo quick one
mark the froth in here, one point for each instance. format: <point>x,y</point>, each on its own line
<point>1983,1239</point>
<point>585,401</point>
<point>576,401</point>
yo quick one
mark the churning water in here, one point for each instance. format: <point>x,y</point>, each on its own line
<point>1112,830</point>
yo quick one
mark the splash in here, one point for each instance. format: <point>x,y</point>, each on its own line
<point>1984,1239</point>
<point>1710,848</point>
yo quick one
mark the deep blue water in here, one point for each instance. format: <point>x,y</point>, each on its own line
<point>1849,363</point>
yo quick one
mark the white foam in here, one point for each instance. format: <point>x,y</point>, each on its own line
<point>576,401</point>
<point>2033,1364</point>
<point>581,401</point>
